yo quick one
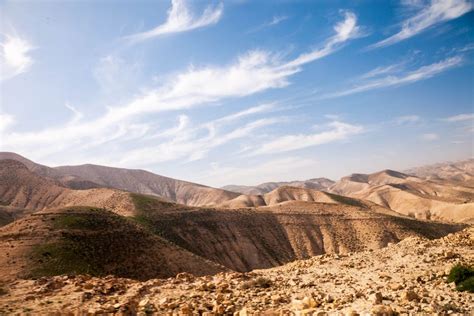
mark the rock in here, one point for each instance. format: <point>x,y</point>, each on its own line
<point>376,298</point>
<point>185,309</point>
<point>305,303</point>
<point>410,295</point>
<point>450,255</point>
<point>381,310</point>
<point>395,286</point>
<point>143,302</point>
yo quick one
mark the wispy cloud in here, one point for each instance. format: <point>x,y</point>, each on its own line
<point>383,70</point>
<point>251,73</point>
<point>429,137</point>
<point>15,56</point>
<point>336,131</point>
<point>407,77</point>
<point>407,119</point>
<point>344,31</point>
<point>435,12</point>
<point>460,118</point>
<point>181,19</point>
<point>277,19</point>
<point>284,169</point>
<point>186,146</point>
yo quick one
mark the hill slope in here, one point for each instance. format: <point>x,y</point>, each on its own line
<point>21,188</point>
<point>246,239</point>
<point>404,279</point>
<point>93,241</point>
<point>137,181</point>
<point>410,195</point>
<point>320,184</point>
<point>461,171</point>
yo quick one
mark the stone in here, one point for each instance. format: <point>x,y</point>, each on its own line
<point>376,298</point>
<point>395,286</point>
<point>381,310</point>
<point>410,295</point>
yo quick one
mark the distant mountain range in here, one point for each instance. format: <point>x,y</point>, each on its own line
<point>49,227</point>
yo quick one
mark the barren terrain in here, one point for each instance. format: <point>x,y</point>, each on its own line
<point>406,278</point>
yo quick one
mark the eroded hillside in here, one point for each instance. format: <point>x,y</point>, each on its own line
<point>404,279</point>
<point>83,240</point>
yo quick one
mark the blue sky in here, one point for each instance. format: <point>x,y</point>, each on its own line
<point>238,92</point>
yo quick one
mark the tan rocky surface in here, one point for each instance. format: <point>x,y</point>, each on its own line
<point>406,278</point>
<point>420,198</point>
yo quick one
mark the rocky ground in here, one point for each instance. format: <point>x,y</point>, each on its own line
<point>404,278</point>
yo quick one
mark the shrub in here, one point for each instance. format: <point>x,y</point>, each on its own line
<point>463,277</point>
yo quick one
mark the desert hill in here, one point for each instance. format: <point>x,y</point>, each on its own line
<point>93,241</point>
<point>262,237</point>
<point>287,193</point>
<point>240,239</point>
<point>320,184</point>
<point>408,278</point>
<point>21,188</point>
<point>461,171</point>
<point>137,181</point>
<point>410,195</point>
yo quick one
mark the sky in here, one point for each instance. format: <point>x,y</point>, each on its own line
<point>238,92</point>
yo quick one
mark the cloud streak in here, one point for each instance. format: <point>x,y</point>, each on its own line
<point>337,131</point>
<point>437,11</point>
<point>344,31</point>
<point>422,73</point>
<point>180,19</point>
<point>460,118</point>
<point>253,72</point>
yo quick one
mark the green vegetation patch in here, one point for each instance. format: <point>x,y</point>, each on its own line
<point>463,277</point>
<point>143,202</point>
<point>75,221</point>
<point>62,257</point>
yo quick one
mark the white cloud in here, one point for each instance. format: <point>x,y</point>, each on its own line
<point>180,19</point>
<point>253,72</point>
<point>337,131</point>
<point>382,71</point>
<point>284,169</point>
<point>460,118</point>
<point>185,145</point>
<point>422,73</point>
<point>429,137</point>
<point>14,56</point>
<point>6,121</point>
<point>345,30</point>
<point>435,12</point>
<point>407,119</point>
<point>277,19</point>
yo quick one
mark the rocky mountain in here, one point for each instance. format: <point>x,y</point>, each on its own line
<point>461,171</point>
<point>408,278</point>
<point>138,181</point>
<point>241,239</point>
<point>24,189</point>
<point>410,195</point>
<point>320,184</point>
